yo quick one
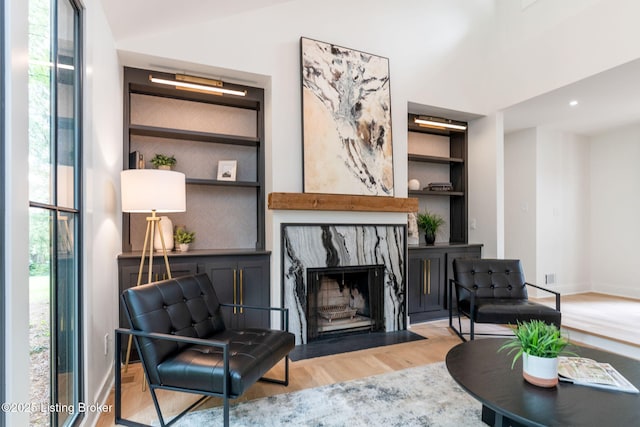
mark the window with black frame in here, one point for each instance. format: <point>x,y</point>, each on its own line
<point>54,215</point>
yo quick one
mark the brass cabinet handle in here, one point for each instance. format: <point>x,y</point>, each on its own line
<point>241,292</point>
<point>424,273</point>
<point>429,276</point>
<point>235,287</point>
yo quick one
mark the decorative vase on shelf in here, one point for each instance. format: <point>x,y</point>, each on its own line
<point>183,247</point>
<point>165,226</point>
<point>540,371</point>
<point>414,184</point>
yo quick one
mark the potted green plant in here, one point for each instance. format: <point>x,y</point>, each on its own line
<point>539,343</point>
<point>183,238</point>
<point>430,223</point>
<point>162,161</point>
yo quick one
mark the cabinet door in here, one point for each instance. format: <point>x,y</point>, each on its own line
<point>242,280</point>
<point>223,272</point>
<point>253,289</point>
<point>426,284</point>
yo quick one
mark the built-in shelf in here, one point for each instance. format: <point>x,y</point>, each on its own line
<point>340,202</point>
<point>436,193</point>
<point>197,181</point>
<point>434,159</point>
<point>191,135</point>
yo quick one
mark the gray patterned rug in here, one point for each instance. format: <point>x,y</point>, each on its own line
<point>421,396</point>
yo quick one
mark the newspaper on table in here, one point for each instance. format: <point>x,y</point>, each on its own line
<point>588,372</point>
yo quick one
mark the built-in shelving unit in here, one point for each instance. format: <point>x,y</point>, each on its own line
<point>440,155</point>
<point>200,129</point>
<point>437,155</point>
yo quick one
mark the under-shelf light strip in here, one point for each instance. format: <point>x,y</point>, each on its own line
<point>197,86</point>
<point>439,124</point>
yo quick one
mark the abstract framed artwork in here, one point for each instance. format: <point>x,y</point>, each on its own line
<point>346,120</point>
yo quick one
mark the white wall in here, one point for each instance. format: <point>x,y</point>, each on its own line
<point>520,199</point>
<point>486,184</point>
<point>563,210</point>
<point>15,167</point>
<point>548,207</point>
<point>615,211</point>
<point>102,157</point>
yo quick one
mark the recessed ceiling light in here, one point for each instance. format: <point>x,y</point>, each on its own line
<point>573,103</point>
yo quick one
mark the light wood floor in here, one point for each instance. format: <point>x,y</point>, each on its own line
<point>600,314</point>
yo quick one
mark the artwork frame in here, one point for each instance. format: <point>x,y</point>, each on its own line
<point>346,120</point>
<point>227,170</point>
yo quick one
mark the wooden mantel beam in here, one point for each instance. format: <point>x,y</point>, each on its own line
<point>340,202</point>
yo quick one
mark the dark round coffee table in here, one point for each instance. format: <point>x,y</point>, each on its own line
<point>508,400</point>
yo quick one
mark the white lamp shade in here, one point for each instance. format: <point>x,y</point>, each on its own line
<point>146,190</point>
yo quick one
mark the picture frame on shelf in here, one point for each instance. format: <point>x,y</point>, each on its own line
<point>227,170</point>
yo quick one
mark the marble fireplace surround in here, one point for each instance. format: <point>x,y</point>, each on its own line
<point>334,245</point>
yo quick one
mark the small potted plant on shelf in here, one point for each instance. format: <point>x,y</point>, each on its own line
<point>162,161</point>
<point>183,238</point>
<point>430,223</point>
<point>539,343</point>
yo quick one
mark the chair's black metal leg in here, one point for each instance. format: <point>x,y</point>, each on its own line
<point>226,411</point>
<point>472,331</point>
<point>286,370</point>
<point>459,331</point>
<point>284,382</point>
<point>157,405</point>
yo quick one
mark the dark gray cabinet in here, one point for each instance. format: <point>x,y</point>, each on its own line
<point>244,281</point>
<point>430,268</point>
<point>425,297</point>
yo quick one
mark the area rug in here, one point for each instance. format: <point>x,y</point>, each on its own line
<point>421,396</point>
<point>347,343</point>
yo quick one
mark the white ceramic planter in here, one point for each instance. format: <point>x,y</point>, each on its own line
<point>540,371</point>
<point>183,247</point>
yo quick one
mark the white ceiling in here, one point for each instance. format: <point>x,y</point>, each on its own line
<point>605,100</point>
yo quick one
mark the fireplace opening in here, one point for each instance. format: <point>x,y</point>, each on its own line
<point>343,300</point>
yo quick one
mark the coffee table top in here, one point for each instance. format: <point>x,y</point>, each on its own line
<point>487,375</point>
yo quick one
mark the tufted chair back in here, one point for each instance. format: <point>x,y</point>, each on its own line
<point>186,306</point>
<point>491,278</point>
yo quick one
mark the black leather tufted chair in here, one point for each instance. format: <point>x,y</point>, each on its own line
<point>494,291</point>
<point>184,345</point>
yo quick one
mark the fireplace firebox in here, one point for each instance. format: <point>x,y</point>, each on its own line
<point>344,300</point>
